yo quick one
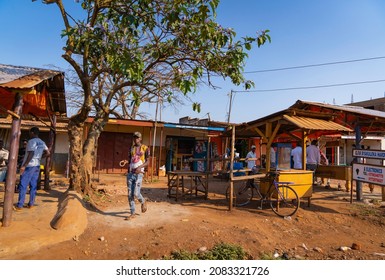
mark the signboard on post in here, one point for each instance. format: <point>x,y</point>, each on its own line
<point>374,174</point>
<point>375,154</point>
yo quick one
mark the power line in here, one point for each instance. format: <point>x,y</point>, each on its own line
<point>311,87</point>
<point>314,65</point>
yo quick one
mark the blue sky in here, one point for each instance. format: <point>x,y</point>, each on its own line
<point>303,32</point>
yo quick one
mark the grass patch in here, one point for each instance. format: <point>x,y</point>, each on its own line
<point>221,251</point>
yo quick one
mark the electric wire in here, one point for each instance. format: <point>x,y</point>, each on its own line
<point>311,87</point>
<point>314,65</point>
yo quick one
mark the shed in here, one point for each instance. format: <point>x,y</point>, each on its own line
<point>28,91</point>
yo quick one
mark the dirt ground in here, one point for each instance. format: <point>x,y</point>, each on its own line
<point>325,230</point>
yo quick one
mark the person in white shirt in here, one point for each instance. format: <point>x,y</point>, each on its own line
<point>313,157</point>
<point>296,154</point>
<point>30,168</point>
<point>251,157</point>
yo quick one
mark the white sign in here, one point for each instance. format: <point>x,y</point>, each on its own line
<point>377,154</point>
<point>374,174</point>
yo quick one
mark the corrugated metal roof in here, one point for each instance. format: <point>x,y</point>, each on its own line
<point>344,108</point>
<point>23,77</point>
<point>315,124</point>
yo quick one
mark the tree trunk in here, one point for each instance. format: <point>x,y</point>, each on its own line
<point>75,134</point>
<point>83,153</point>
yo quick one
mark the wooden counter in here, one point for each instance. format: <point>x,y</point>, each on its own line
<point>339,172</point>
<point>194,182</point>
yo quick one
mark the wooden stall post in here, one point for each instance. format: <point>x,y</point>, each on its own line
<point>51,148</point>
<point>304,139</point>
<point>383,193</point>
<point>12,163</point>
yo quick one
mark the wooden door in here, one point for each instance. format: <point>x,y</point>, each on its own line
<point>112,148</point>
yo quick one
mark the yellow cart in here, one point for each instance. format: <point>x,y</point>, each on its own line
<point>301,182</point>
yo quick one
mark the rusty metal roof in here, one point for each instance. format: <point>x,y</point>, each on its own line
<point>315,124</point>
<point>301,104</point>
<point>25,78</point>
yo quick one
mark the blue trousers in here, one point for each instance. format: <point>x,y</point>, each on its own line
<point>28,178</point>
<point>134,184</point>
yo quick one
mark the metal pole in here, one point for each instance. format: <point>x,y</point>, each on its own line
<point>12,161</point>
<point>160,150</point>
<point>154,139</point>
<point>232,167</point>
<point>359,160</point>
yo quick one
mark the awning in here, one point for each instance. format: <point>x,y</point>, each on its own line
<point>315,124</point>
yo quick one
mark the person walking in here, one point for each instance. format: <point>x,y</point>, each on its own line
<point>138,160</point>
<point>30,168</point>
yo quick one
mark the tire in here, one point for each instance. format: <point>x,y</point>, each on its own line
<point>243,194</point>
<point>285,202</point>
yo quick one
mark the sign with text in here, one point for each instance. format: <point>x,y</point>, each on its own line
<point>376,154</point>
<point>374,174</point>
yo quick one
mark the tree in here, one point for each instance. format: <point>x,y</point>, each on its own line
<point>133,51</point>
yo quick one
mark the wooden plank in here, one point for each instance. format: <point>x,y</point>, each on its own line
<point>247,177</point>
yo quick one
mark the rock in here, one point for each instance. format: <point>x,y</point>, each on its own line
<point>298,257</point>
<point>202,249</point>
<point>75,238</point>
<point>318,249</point>
<point>379,254</point>
<point>101,238</point>
<point>356,246</point>
<point>344,248</point>
<point>285,256</point>
<point>304,246</point>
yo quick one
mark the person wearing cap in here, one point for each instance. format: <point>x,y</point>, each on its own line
<point>138,160</point>
<point>251,157</point>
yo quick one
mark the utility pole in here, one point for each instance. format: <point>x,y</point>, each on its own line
<point>231,101</point>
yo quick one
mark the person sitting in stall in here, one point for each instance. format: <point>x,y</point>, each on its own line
<point>251,158</point>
